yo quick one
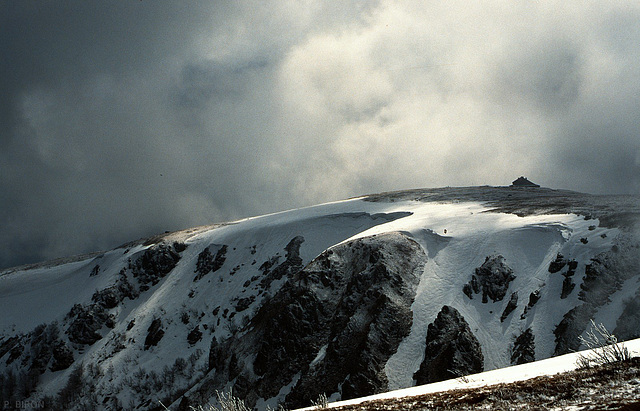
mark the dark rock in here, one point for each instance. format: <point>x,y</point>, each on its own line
<point>290,266</point>
<point>567,287</point>
<point>523,348</point>
<point>217,355</point>
<point>558,264</point>
<point>452,350</point>
<point>533,299</point>
<point>493,278</point>
<point>95,271</point>
<point>8,344</point>
<point>244,303</point>
<point>573,265</point>
<point>184,317</point>
<point>42,338</point>
<point>194,336</point>
<point>85,323</point>
<point>124,287</point>
<point>601,280</point>
<point>475,284</point>
<point>605,275</point>
<point>154,264</point>
<point>266,266</point>
<point>628,324</point>
<point>108,298</point>
<point>207,263</point>
<point>179,247</point>
<point>15,352</point>
<point>62,357</point>
<point>154,334</point>
<point>351,303</point>
<point>467,290</point>
<point>571,327</point>
<point>511,305</point>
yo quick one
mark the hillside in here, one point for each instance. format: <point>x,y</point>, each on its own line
<point>349,298</point>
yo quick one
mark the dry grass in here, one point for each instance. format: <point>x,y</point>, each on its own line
<point>608,387</point>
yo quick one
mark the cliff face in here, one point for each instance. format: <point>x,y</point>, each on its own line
<point>331,326</point>
<point>346,299</point>
<point>451,351</point>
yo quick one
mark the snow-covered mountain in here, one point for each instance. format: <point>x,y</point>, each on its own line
<point>349,298</point>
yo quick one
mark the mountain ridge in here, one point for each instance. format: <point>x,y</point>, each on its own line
<point>182,311</point>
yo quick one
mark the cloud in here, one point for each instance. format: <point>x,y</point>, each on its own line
<point>131,118</point>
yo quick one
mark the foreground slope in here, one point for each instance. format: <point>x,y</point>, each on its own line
<point>348,298</point>
<point>558,383</point>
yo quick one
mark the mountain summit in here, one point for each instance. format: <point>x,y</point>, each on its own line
<point>349,298</point>
<point>523,182</point>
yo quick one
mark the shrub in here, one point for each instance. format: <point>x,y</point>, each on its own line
<point>603,348</point>
<point>226,402</point>
<point>321,403</point>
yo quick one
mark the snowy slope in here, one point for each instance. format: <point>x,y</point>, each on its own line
<point>150,320</point>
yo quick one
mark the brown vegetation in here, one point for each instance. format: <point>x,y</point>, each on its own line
<point>609,387</point>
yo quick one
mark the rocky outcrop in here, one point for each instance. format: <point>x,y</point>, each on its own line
<point>602,278</point>
<point>37,351</point>
<point>451,349</point>
<point>557,264</point>
<point>571,327</point>
<point>291,265</point>
<point>524,349</point>
<point>628,325</point>
<point>511,305</point>
<point>108,298</point>
<point>85,321</point>
<point>534,297</point>
<point>208,263</point>
<point>154,334</point>
<point>155,263</point>
<point>62,356</point>
<point>567,287</point>
<point>492,278</point>
<point>194,335</point>
<point>332,325</point>
<point>8,344</point>
<point>605,275</point>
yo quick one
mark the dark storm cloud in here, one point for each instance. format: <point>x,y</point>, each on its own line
<point>122,119</point>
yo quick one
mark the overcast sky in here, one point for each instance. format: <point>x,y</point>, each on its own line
<point>121,119</point>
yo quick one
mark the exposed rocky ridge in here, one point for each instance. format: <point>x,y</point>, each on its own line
<point>523,348</point>
<point>155,263</point>
<point>208,263</point>
<point>291,265</point>
<point>605,275</point>
<point>330,328</point>
<point>627,325</point>
<point>492,278</point>
<point>451,349</point>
